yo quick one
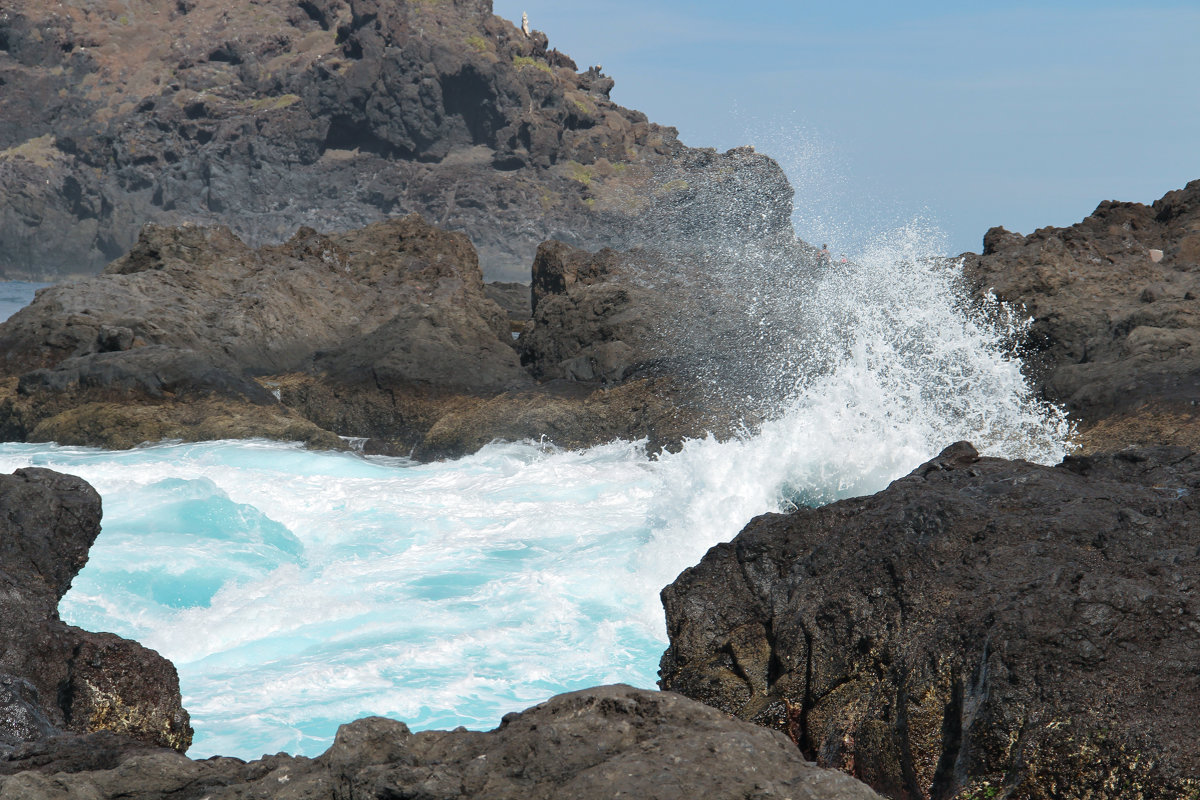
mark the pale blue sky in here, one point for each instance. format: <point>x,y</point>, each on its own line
<point>965,114</point>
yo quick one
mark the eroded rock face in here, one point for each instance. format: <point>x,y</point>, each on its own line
<point>593,320</point>
<point>611,741</point>
<point>1116,307</point>
<point>268,115</point>
<point>980,628</point>
<point>385,333</point>
<point>190,320</point>
<point>55,677</point>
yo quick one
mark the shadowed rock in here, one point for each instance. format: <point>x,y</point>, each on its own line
<point>980,628</point>
<point>55,677</point>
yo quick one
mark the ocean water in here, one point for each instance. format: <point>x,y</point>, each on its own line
<point>15,295</point>
<point>298,590</point>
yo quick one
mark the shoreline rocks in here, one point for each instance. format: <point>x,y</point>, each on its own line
<point>56,679</point>
<point>981,627</point>
<point>385,333</point>
<point>609,741</point>
<point>1115,301</point>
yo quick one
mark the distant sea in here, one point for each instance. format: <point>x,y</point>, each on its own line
<point>297,590</point>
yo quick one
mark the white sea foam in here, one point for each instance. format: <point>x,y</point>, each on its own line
<point>296,590</point>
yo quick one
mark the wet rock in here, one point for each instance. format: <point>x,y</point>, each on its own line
<point>610,741</point>
<point>1114,337</point>
<point>268,115</point>
<point>980,628</point>
<point>57,677</point>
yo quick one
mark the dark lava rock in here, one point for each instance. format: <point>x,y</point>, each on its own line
<point>1116,334</point>
<point>592,318</point>
<point>720,320</point>
<point>56,677</point>
<point>188,324</point>
<point>385,334</point>
<point>981,628</point>
<point>611,741</point>
<point>513,298</point>
<point>266,115</point>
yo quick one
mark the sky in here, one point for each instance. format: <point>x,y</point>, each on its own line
<point>953,115</point>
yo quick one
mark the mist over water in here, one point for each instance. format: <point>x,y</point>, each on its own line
<point>298,590</point>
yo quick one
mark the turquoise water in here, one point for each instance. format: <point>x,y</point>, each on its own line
<point>298,590</point>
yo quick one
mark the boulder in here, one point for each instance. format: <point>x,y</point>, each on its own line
<point>981,628</point>
<point>1115,301</point>
<point>56,678</point>
<point>610,741</point>
<point>203,331</point>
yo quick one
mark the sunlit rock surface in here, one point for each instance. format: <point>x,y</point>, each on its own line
<point>268,115</point>
<point>1116,307</point>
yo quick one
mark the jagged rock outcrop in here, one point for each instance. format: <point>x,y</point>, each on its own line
<point>269,115</point>
<point>54,677</point>
<point>593,319</point>
<point>611,741</point>
<point>981,628</point>
<point>189,322</point>
<point>384,333</point>
<point>1116,307</point>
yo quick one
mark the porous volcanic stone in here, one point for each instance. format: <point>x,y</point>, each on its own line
<point>981,628</point>
<point>55,677</point>
<point>610,741</point>
<point>268,115</point>
<point>1116,334</point>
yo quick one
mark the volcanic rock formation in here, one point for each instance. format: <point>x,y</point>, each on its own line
<point>56,678</point>
<point>384,333</point>
<point>268,115</point>
<point>611,741</point>
<point>1116,307</point>
<point>981,628</point>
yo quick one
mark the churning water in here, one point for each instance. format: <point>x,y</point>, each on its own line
<point>297,590</point>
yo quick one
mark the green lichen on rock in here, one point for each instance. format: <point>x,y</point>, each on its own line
<point>521,62</point>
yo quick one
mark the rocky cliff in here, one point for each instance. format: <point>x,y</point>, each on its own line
<point>981,628</point>
<point>268,115</point>
<point>1116,306</point>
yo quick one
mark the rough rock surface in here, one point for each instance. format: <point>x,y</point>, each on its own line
<point>266,115</point>
<point>981,628</point>
<point>190,321</point>
<point>720,320</point>
<point>55,677</point>
<point>611,741</point>
<point>592,318</point>
<point>1116,334</point>
<point>385,333</point>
